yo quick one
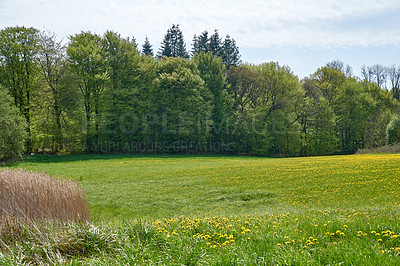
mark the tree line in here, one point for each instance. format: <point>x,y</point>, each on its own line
<point>103,94</point>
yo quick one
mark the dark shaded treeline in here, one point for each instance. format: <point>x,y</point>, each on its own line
<point>101,94</point>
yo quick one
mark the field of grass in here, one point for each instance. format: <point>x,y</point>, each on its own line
<point>224,210</point>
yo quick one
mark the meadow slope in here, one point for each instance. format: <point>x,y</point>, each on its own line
<point>165,186</point>
<point>236,210</point>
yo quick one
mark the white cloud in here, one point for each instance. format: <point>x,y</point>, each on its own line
<point>260,23</point>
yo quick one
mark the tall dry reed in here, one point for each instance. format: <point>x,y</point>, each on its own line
<point>32,196</point>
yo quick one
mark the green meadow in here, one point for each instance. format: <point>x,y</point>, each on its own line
<point>224,210</point>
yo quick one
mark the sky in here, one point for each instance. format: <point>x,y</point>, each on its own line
<point>303,34</point>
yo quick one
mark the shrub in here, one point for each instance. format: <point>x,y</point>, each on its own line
<point>393,131</point>
<point>384,149</point>
<point>12,128</point>
<point>34,197</point>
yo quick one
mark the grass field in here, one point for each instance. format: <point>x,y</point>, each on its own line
<point>230,210</point>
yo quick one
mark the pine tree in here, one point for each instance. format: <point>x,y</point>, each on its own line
<point>230,52</point>
<point>165,49</point>
<point>147,48</point>
<point>195,44</point>
<point>133,40</point>
<point>200,44</point>
<point>173,44</point>
<point>203,42</point>
<point>215,44</point>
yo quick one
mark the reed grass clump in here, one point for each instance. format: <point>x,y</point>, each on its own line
<point>31,196</point>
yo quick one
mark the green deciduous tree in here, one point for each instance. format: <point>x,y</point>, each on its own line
<point>274,99</point>
<point>181,111</point>
<point>18,72</point>
<point>212,71</point>
<point>340,67</point>
<point>393,131</point>
<point>317,121</point>
<point>352,106</point>
<point>12,127</point>
<point>381,107</point>
<point>53,65</point>
<point>263,99</point>
<point>121,92</point>
<point>329,82</point>
<point>87,60</point>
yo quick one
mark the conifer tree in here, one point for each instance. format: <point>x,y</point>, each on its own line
<point>165,49</point>
<point>195,44</point>
<point>147,48</point>
<point>201,43</point>
<point>215,44</point>
<point>230,52</point>
<point>173,44</point>
<point>133,40</point>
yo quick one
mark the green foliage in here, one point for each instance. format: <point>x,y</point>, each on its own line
<point>324,140</point>
<point>329,81</point>
<point>57,116</point>
<point>381,109</point>
<point>13,133</point>
<point>120,95</point>
<point>215,44</point>
<point>133,42</point>
<point>54,94</point>
<point>341,114</point>
<point>230,52</point>
<point>173,44</point>
<point>276,237</point>
<point>18,49</point>
<point>219,210</point>
<point>317,121</point>
<point>211,184</point>
<point>227,49</point>
<point>87,60</point>
<point>263,100</point>
<point>203,42</point>
<point>182,106</point>
<point>147,48</point>
<point>351,111</point>
<point>200,44</point>
<point>393,131</point>
<point>101,91</point>
<point>211,70</point>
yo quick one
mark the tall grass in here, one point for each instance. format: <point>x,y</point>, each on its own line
<point>209,210</point>
<point>311,237</point>
<point>30,196</point>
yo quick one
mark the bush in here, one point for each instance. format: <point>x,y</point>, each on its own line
<point>31,196</point>
<point>12,128</point>
<point>393,131</point>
